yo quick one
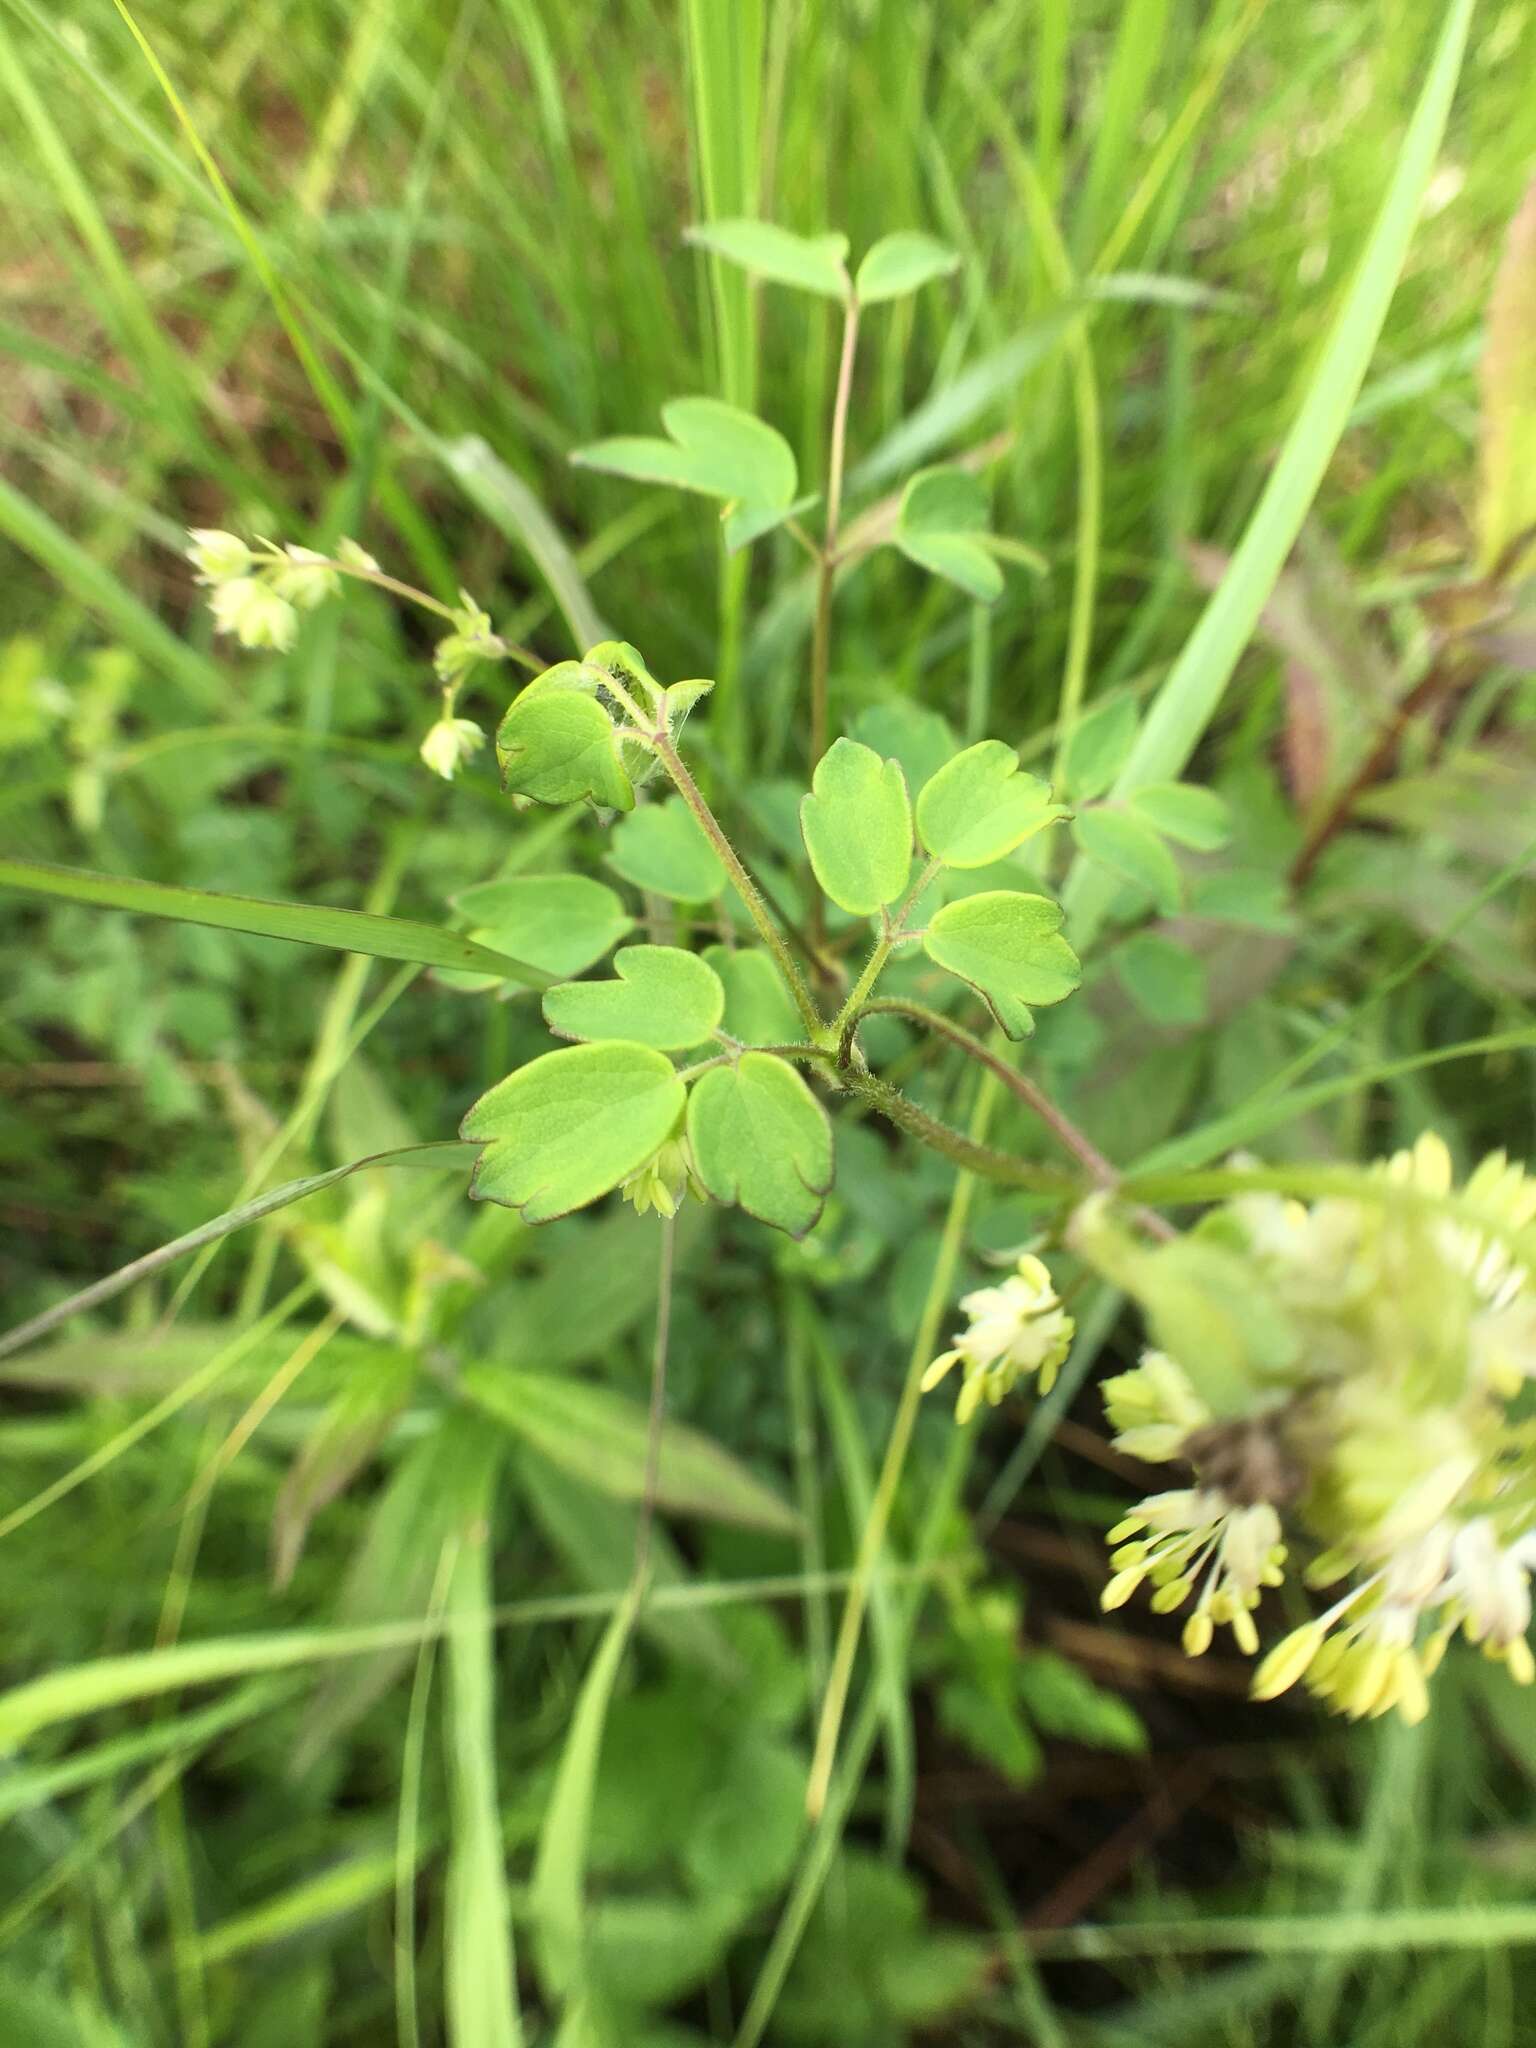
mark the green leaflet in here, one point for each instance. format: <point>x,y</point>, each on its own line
<point>571,1125</point>
<point>559,746</point>
<point>806,263</point>
<point>1008,947</point>
<point>920,739</point>
<point>663,997</point>
<point>981,805</point>
<point>1101,740</point>
<point>1184,812</point>
<point>561,923</point>
<point>1166,981</point>
<point>758,1008</point>
<point>1130,849</point>
<point>715,449</point>
<point>902,263</point>
<point>662,848</point>
<point>761,1139</point>
<point>941,525</point>
<point>857,826</point>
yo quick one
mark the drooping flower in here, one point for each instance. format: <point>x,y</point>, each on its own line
<point>218,557</point>
<point>1014,1329</point>
<point>256,614</point>
<point>471,640</point>
<point>449,744</point>
<point>1487,1593</point>
<point>664,1180</point>
<point>1196,1540</point>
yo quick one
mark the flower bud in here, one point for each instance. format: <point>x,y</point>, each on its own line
<point>449,744</point>
<point>217,556</point>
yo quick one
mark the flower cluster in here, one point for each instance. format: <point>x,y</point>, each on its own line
<point>1380,1424</point>
<point>1015,1329</point>
<point>256,591</point>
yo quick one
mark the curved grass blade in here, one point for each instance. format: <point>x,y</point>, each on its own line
<point>1195,685</point>
<point>307,924</point>
<point>447,1153</point>
<point>70,1693</point>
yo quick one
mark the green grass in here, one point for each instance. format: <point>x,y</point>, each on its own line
<point>308,269</point>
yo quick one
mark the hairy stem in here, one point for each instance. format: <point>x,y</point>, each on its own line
<point>893,931</point>
<point>1034,1098</point>
<point>985,1160</point>
<point>751,896</point>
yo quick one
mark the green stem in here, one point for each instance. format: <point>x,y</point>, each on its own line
<point>422,598</point>
<point>742,883</point>
<point>821,637</point>
<point>1090,496</point>
<point>1035,1099</point>
<point>895,930</point>
<point>658,1406</point>
<point>858,995</point>
<point>985,1160</point>
<point>1061,1126</point>
<point>872,1537</point>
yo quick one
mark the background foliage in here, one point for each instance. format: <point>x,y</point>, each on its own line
<point>378,269</point>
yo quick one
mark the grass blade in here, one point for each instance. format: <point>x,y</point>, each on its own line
<point>448,1153</point>
<point>1188,698</point>
<point>507,502</point>
<point>555,1896</point>
<point>601,1437</point>
<point>306,924</point>
<point>77,570</point>
<point>479,1993</point>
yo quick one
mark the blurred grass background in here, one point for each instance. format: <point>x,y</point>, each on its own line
<point>442,247</point>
